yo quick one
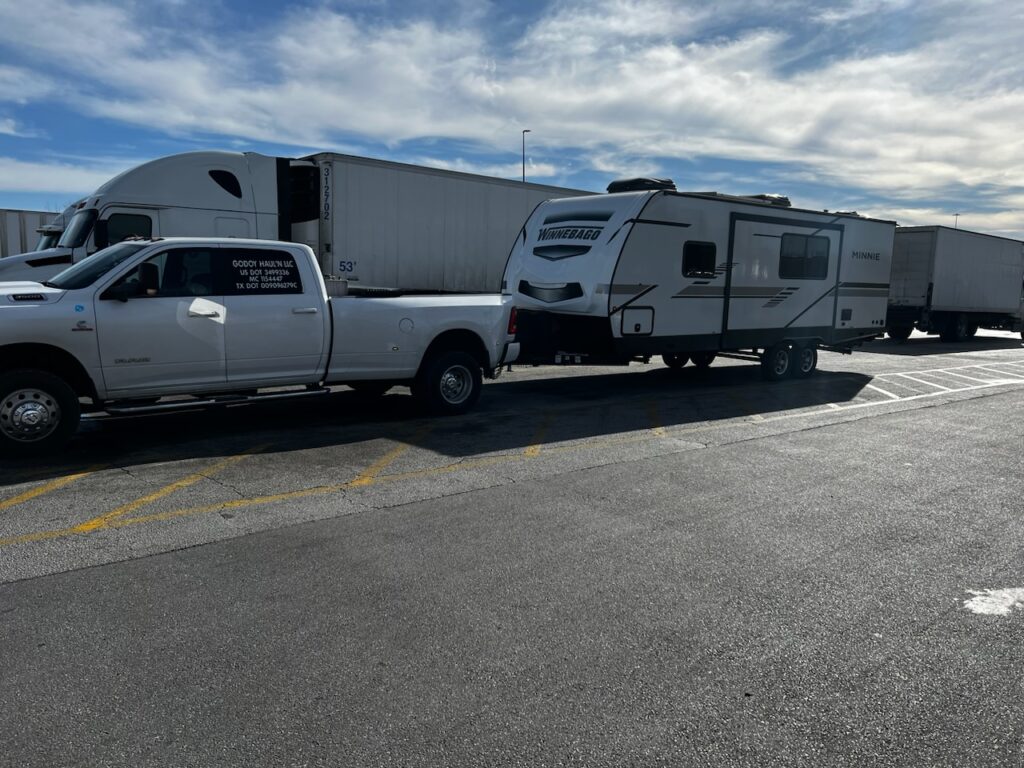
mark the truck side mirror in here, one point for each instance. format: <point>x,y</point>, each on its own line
<point>100,234</point>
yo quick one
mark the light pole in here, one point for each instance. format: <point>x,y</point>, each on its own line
<point>525,131</point>
<point>956,218</point>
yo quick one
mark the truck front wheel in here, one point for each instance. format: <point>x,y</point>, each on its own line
<point>39,412</point>
<point>449,383</point>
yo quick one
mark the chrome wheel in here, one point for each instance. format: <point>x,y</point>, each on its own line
<point>456,384</point>
<point>28,415</point>
<point>780,362</point>
<point>808,358</point>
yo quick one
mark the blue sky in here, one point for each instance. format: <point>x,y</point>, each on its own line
<point>897,109</point>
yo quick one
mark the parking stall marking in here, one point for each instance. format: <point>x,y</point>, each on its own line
<point>53,485</point>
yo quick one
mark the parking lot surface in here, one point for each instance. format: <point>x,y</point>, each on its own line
<point>596,567</point>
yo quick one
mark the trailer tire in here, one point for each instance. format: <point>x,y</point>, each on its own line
<point>777,361</point>
<point>955,329</point>
<point>899,332</point>
<point>449,383</point>
<point>674,360</point>
<point>703,360</point>
<point>972,330</point>
<point>805,361</point>
<point>39,412</point>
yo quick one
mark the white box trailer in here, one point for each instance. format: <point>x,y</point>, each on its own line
<point>373,222</point>
<point>953,281</point>
<point>625,276</point>
<point>19,230</point>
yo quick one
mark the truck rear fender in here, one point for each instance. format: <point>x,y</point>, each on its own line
<point>461,339</point>
<point>44,357</point>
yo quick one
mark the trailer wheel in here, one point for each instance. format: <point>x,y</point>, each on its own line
<point>777,361</point>
<point>449,383</point>
<point>39,412</point>
<point>972,330</point>
<point>703,359</point>
<point>675,361</point>
<point>805,361</point>
<point>899,332</point>
<point>955,329</point>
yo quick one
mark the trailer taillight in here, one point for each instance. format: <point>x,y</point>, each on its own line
<point>513,318</point>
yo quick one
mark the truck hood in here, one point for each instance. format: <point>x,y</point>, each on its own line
<point>26,266</point>
<point>26,293</point>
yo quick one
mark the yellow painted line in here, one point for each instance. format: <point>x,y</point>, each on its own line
<point>104,521</point>
<point>655,419</point>
<point>53,485</point>
<point>537,441</point>
<point>368,475</point>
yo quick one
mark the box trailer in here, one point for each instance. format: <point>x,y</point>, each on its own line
<point>375,223</point>
<point>650,271</point>
<point>19,230</point>
<point>953,281</point>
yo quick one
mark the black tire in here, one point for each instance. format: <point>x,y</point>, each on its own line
<point>972,330</point>
<point>805,361</point>
<point>39,412</point>
<point>777,361</point>
<point>955,329</point>
<point>370,389</point>
<point>449,383</point>
<point>703,359</point>
<point>674,360</point>
<point>899,332</point>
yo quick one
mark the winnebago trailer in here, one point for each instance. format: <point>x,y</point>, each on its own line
<point>372,222</point>
<point>952,282</point>
<point>625,276</point>
<point>18,230</point>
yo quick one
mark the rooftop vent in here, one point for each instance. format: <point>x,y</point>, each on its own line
<point>640,185</point>
<point>780,200</point>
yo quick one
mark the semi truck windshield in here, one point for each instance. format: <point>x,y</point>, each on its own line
<point>78,229</point>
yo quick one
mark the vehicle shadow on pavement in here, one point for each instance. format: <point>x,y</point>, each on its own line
<point>933,345</point>
<point>513,414</point>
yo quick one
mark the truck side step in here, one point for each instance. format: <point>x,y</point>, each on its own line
<point>224,400</point>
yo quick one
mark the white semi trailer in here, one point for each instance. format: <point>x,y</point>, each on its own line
<point>19,230</point>
<point>373,222</point>
<point>952,282</point>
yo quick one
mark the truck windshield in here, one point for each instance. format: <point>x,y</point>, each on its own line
<point>88,271</point>
<point>78,229</point>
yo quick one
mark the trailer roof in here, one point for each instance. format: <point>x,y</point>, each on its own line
<point>740,199</point>
<point>936,227</point>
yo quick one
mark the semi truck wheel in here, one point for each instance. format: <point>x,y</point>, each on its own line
<point>955,329</point>
<point>899,332</point>
<point>805,361</point>
<point>674,360</point>
<point>449,383</point>
<point>777,361</point>
<point>703,359</point>
<point>39,412</point>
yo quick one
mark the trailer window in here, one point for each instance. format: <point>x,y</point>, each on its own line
<point>258,272</point>
<point>803,257</point>
<point>699,259</point>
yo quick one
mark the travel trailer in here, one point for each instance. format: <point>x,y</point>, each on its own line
<point>952,282</point>
<point>372,222</point>
<point>646,270</point>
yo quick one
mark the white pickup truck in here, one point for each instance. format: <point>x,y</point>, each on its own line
<point>151,325</point>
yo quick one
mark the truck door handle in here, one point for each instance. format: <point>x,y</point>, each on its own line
<point>203,313</point>
<point>304,311</point>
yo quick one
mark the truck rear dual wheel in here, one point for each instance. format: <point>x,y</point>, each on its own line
<point>449,383</point>
<point>957,328</point>
<point>39,412</point>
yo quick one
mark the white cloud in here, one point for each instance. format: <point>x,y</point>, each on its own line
<point>619,82</point>
<point>56,177</point>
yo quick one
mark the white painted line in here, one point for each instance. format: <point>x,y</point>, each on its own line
<point>884,392</point>
<point>925,383</point>
<point>1003,373</point>
<point>969,378</point>
<point>994,602</point>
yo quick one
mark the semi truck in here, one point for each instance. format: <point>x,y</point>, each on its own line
<point>952,282</point>
<point>208,322</point>
<point>375,223</point>
<point>646,270</point>
<point>19,230</point>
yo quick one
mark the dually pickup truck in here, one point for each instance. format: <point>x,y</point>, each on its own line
<point>151,325</point>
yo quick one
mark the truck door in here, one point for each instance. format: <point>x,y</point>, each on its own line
<point>782,277</point>
<point>172,340</point>
<point>276,326</point>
